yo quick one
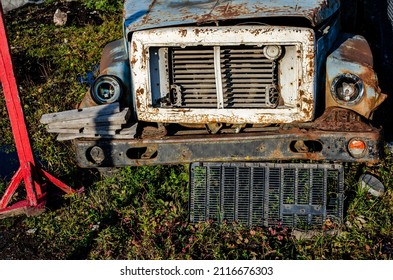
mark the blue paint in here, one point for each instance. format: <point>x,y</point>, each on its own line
<point>134,17</point>
<point>146,14</point>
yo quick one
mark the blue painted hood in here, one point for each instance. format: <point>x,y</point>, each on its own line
<point>147,14</point>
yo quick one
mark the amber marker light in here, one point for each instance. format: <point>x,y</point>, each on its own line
<point>357,148</point>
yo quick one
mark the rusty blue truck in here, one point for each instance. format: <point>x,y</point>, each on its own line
<point>266,99</point>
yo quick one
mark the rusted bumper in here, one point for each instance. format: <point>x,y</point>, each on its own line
<point>316,142</point>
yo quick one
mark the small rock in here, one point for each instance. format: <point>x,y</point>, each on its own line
<point>60,18</point>
<point>31,231</point>
<point>95,227</point>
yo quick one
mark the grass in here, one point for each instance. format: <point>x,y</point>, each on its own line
<point>141,213</point>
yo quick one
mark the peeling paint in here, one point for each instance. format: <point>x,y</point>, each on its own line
<point>298,38</point>
<point>178,12</point>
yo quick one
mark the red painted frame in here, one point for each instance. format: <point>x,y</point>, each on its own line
<point>28,172</point>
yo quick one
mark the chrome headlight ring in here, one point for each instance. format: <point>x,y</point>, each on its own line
<point>106,89</point>
<point>347,89</point>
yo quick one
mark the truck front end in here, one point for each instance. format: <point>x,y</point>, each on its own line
<point>245,81</point>
<point>238,81</point>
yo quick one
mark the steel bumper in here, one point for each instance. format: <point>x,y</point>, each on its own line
<point>290,144</point>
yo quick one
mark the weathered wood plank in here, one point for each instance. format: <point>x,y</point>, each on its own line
<point>115,119</point>
<point>66,130</point>
<point>65,136</point>
<point>102,130</point>
<point>88,130</point>
<point>130,130</point>
<point>90,112</point>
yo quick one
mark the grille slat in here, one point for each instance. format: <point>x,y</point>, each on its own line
<point>265,194</point>
<point>203,71</point>
<point>189,66</point>
<point>200,91</point>
<point>202,86</point>
<point>246,101</point>
<point>195,80</point>
<point>246,70</point>
<point>192,76</point>
<point>255,87</point>
<point>239,80</point>
<point>240,75</point>
<point>244,92</point>
<point>261,61</point>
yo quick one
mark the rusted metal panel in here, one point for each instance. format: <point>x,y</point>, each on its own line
<point>338,119</point>
<point>298,95</point>
<point>221,148</point>
<point>354,57</point>
<point>147,14</point>
<point>326,139</point>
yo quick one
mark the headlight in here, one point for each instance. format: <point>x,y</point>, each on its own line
<point>347,89</point>
<point>106,89</point>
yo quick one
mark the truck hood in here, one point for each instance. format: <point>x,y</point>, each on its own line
<point>147,14</point>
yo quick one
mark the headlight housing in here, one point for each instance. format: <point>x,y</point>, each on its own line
<point>106,89</point>
<point>347,89</point>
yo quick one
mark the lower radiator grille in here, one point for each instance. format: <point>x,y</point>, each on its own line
<point>265,194</point>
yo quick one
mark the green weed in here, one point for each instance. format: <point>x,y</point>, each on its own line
<point>104,5</point>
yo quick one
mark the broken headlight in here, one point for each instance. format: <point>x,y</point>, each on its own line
<point>106,89</point>
<point>347,89</point>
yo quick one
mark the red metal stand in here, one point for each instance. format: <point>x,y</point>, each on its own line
<point>28,172</point>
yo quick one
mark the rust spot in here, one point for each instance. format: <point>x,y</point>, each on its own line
<point>276,154</point>
<point>357,49</point>
<point>340,119</point>
<point>313,156</point>
<point>257,32</point>
<point>306,112</point>
<point>186,153</point>
<point>139,95</point>
<point>134,47</point>
<point>261,148</point>
<point>220,12</point>
<point>145,51</point>
<point>154,132</point>
<point>147,16</point>
<point>307,101</point>
<point>230,11</point>
<point>315,14</point>
<point>183,32</point>
<point>140,91</point>
<point>133,60</point>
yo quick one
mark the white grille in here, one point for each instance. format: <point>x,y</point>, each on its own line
<point>244,79</point>
<point>200,75</point>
